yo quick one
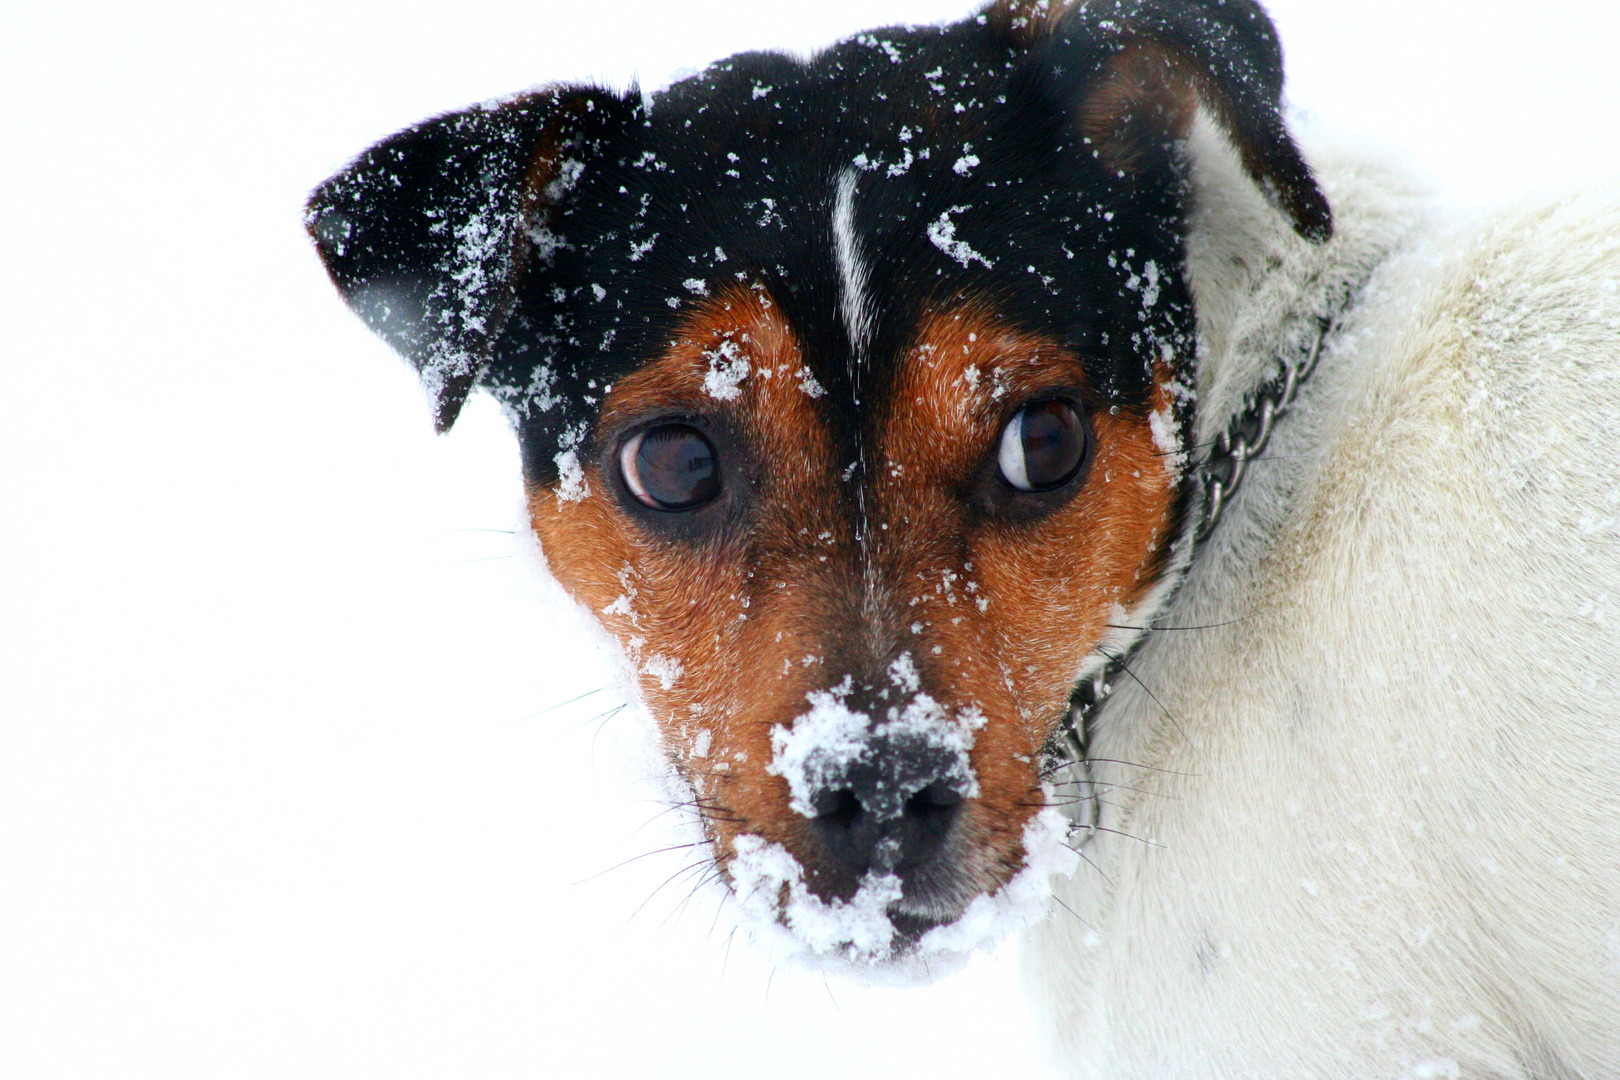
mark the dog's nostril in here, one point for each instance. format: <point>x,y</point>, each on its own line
<point>838,807</point>
<point>926,822</point>
<point>847,829</point>
<point>935,799</point>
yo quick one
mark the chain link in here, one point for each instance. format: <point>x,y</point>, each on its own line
<point>1246,436</point>
<point>1221,473</point>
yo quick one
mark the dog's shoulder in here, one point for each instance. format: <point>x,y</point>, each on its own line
<point>1529,310</point>
<point>1378,771</point>
<point>1481,386</point>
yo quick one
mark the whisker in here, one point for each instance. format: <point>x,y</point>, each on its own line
<point>1186,449</point>
<point>828,987</point>
<point>1104,788</point>
<point>1075,913</point>
<point>486,558</point>
<point>1149,692</point>
<point>680,909</point>
<point>1061,765</point>
<point>1157,629</point>
<point>725,957</point>
<point>643,855</point>
<point>1078,800</point>
<point>677,875</point>
<point>1096,828</point>
<point>1099,871</point>
<point>706,811</point>
<point>606,718</point>
<point>1126,835</point>
<point>1138,765</point>
<point>554,708</point>
<point>601,716</point>
<point>570,701</point>
<point>695,800</point>
<point>725,898</point>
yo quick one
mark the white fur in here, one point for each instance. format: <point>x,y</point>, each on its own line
<point>853,307</point>
<point>1373,830</point>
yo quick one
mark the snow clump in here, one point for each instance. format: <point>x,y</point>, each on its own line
<point>943,235</point>
<point>858,929</point>
<point>823,743</point>
<point>727,370</point>
<point>858,935</point>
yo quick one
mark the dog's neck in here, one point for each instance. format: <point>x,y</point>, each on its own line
<point>1262,294</point>
<point>1265,297</point>
<point>1261,289</point>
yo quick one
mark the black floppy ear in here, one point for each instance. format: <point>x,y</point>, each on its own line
<point>428,234</point>
<point>1135,71</point>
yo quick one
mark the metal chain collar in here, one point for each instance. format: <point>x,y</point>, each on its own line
<point>1220,474</point>
<point>1246,436</point>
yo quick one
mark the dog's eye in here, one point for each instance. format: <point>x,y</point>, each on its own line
<point>671,467</point>
<point>1042,446</point>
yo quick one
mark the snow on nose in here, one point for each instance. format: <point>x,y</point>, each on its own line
<point>882,791</point>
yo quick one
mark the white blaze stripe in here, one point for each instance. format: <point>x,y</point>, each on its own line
<point>858,325</point>
<point>851,267</point>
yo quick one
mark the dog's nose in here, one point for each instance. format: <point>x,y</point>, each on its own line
<point>888,815</point>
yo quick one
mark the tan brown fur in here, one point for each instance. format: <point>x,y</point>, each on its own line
<point>996,615</point>
<point>740,617</point>
<point>1031,599</point>
<point>1143,97</point>
<point>1146,94</point>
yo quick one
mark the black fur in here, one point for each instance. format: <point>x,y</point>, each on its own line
<point>732,177</point>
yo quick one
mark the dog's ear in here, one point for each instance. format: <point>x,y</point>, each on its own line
<point>1132,73</point>
<point>428,234</point>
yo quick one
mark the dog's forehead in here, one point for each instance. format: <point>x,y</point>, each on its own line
<point>901,173</point>
<point>747,168</point>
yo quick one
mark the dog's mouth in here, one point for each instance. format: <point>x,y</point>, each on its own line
<point>893,848</point>
<point>892,917</point>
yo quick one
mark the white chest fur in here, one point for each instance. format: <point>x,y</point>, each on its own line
<point>1370,821</point>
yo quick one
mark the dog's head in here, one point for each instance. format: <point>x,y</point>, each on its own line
<point>852,397</point>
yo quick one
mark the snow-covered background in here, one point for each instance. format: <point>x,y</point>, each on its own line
<point>291,778</point>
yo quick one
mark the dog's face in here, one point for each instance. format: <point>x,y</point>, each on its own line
<point>851,395</point>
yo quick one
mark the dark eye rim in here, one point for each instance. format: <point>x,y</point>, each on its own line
<point>992,495</point>
<point>692,523</point>
<point>1086,440</point>
<point>651,501</point>
<point>1087,451</point>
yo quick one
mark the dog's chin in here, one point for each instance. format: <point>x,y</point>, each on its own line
<point>932,910</point>
<point>891,929</point>
<point>913,923</point>
<point>929,905</point>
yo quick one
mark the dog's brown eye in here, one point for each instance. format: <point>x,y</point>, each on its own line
<point>671,467</point>
<point>1043,446</point>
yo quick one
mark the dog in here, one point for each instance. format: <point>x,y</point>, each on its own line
<point>1027,487</point>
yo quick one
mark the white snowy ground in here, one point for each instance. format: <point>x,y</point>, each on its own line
<point>288,787</point>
